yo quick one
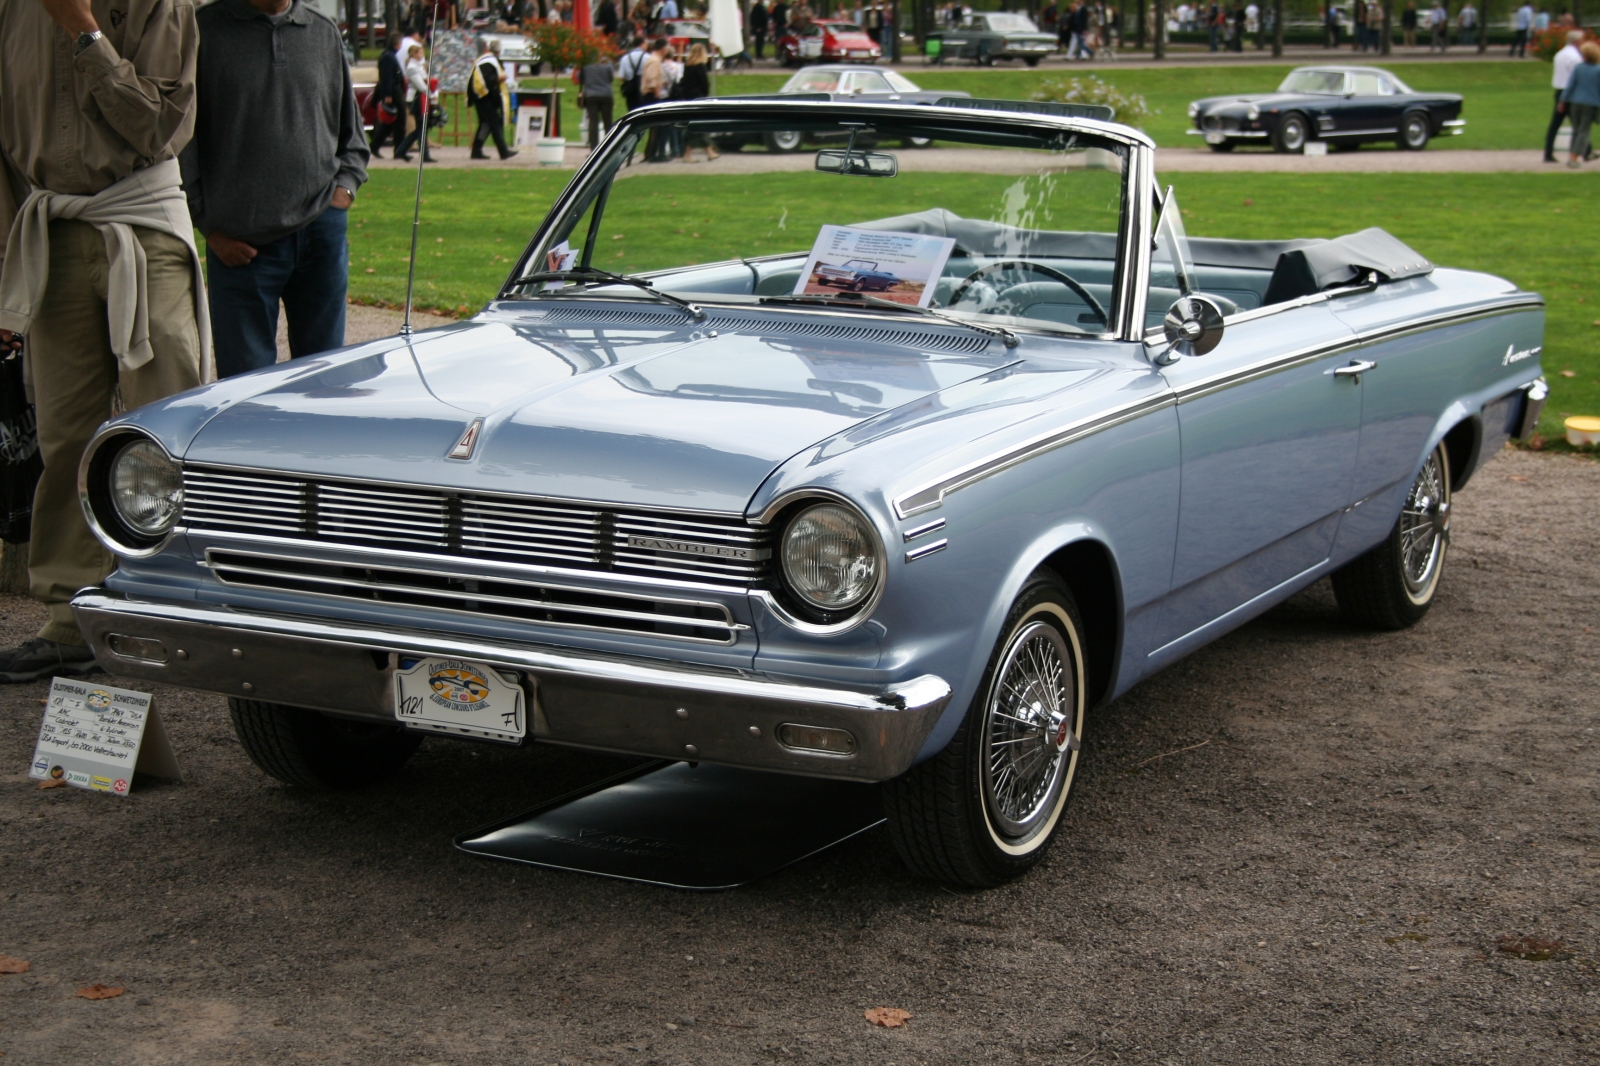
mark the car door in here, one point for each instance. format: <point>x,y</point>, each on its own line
<point>1371,109</point>
<point>1269,436</point>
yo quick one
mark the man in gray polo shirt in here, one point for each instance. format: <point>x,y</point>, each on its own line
<point>277,159</point>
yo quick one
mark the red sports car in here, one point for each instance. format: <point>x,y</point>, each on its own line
<point>826,41</point>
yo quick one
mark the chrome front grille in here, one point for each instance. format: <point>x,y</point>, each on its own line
<point>674,618</point>
<point>705,548</point>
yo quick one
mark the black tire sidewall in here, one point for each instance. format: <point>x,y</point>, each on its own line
<point>1280,142</point>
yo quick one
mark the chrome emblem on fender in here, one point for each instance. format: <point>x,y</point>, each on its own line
<point>468,441</point>
<point>694,547</point>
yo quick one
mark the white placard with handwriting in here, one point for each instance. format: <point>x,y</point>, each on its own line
<point>92,736</point>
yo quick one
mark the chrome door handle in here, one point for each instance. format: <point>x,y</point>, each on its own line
<point>1354,370</point>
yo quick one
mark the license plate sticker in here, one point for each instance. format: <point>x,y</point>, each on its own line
<point>460,698</point>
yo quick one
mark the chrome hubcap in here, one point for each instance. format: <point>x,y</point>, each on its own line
<point>1030,732</point>
<point>1424,527</point>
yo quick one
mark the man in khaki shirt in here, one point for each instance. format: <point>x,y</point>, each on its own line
<point>96,100</point>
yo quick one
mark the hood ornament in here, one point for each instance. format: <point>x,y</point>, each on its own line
<point>468,442</point>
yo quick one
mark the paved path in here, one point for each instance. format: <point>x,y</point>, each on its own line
<point>1371,160</point>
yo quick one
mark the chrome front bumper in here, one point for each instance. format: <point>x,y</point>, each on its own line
<point>641,706</point>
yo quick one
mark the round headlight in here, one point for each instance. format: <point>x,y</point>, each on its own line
<point>830,558</point>
<point>1253,114</point>
<point>1194,109</point>
<point>146,488</point>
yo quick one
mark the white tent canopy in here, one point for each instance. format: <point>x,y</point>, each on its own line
<point>727,27</point>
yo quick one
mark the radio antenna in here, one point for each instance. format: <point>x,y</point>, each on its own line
<point>406,329</point>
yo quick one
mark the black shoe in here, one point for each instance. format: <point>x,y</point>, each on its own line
<point>508,153</point>
<point>403,158</point>
<point>1551,159</point>
<point>479,155</point>
<point>45,658</point>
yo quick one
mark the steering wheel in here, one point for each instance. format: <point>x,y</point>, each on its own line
<point>1038,268</point>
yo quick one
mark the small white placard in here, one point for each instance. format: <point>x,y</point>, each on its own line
<point>530,123</point>
<point>1316,148</point>
<point>902,267</point>
<point>95,736</point>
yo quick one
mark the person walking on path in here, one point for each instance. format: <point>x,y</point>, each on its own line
<point>99,274</point>
<point>1581,99</point>
<point>391,94</point>
<point>1563,64</point>
<point>758,26</point>
<point>489,95</point>
<point>696,85</point>
<point>417,103</point>
<point>1522,22</point>
<point>1467,25</point>
<point>594,86</point>
<point>1408,24</point>
<point>277,159</point>
<point>630,71</point>
<point>1438,27</point>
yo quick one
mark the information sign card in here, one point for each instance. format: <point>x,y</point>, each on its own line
<point>95,736</point>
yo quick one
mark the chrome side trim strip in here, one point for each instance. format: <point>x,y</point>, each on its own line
<point>930,495</point>
<point>1358,133</point>
<point>1301,356</point>
<point>927,549</point>
<point>925,528</point>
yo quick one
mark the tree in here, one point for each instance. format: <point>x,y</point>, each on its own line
<point>564,47</point>
<point>1277,29</point>
<point>1160,49</point>
<point>1388,26</point>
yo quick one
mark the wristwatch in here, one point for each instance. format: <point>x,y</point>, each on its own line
<point>85,40</point>
<point>349,191</point>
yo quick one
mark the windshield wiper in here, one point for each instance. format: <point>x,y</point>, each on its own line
<point>594,275</point>
<point>857,299</point>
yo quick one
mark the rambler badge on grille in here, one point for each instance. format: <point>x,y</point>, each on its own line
<point>695,547</point>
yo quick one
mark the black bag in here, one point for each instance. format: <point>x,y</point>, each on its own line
<point>20,464</point>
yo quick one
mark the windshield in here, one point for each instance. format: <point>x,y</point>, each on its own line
<point>1007,227</point>
<point>813,81</point>
<point>1012,24</point>
<point>1318,82</point>
<point>843,27</point>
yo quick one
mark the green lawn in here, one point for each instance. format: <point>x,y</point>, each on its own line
<point>476,222</point>
<point>1507,104</point>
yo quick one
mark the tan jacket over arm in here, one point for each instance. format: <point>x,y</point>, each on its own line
<point>77,124</point>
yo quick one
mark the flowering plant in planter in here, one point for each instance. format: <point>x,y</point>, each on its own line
<point>565,48</point>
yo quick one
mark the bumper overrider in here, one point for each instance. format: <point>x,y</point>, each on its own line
<point>641,706</point>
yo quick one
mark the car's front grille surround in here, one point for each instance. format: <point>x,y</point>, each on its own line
<point>673,618</point>
<point>712,549</point>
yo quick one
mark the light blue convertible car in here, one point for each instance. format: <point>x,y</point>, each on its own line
<point>664,503</point>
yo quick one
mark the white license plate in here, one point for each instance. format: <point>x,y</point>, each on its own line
<point>1216,138</point>
<point>460,698</point>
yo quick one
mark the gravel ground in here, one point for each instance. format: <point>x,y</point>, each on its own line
<point>1302,844</point>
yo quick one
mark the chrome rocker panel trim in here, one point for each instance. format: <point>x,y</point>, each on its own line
<point>608,703</point>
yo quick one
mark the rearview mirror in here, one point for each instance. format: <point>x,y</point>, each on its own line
<point>866,164</point>
<point>1193,326</point>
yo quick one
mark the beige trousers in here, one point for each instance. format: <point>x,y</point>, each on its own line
<point>75,378</point>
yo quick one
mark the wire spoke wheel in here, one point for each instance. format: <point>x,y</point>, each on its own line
<point>1030,731</point>
<point>1424,528</point>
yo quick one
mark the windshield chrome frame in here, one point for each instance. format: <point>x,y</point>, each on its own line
<point>1133,238</point>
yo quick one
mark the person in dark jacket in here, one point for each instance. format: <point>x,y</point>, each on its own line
<point>606,18</point>
<point>696,85</point>
<point>594,84</point>
<point>487,92</point>
<point>277,159</point>
<point>391,96</point>
<point>758,25</point>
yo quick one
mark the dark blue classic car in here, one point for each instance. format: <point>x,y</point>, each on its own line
<point>693,511</point>
<point>1343,106</point>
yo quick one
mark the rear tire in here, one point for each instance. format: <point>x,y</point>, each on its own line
<point>319,751</point>
<point>984,809</point>
<point>1032,61</point>
<point>1414,132</point>
<point>784,141</point>
<point>1393,585</point>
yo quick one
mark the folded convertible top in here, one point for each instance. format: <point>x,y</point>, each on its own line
<point>1318,265</point>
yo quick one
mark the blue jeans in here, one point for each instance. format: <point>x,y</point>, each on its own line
<point>308,270</point>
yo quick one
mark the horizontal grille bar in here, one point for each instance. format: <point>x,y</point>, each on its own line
<point>676,619</point>
<point>701,548</point>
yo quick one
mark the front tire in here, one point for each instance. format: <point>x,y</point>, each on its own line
<point>783,141</point>
<point>1414,132</point>
<point>1291,134</point>
<point>984,809</point>
<point>1393,585</point>
<point>318,751</point>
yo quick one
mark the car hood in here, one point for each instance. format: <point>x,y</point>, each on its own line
<point>633,415</point>
<point>1264,101</point>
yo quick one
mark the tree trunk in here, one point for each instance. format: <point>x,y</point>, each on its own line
<point>352,18</point>
<point>1277,29</point>
<point>1388,26</point>
<point>1160,51</point>
<point>1483,26</point>
<point>1138,28</point>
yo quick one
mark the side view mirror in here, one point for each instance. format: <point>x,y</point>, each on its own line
<point>1193,326</point>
